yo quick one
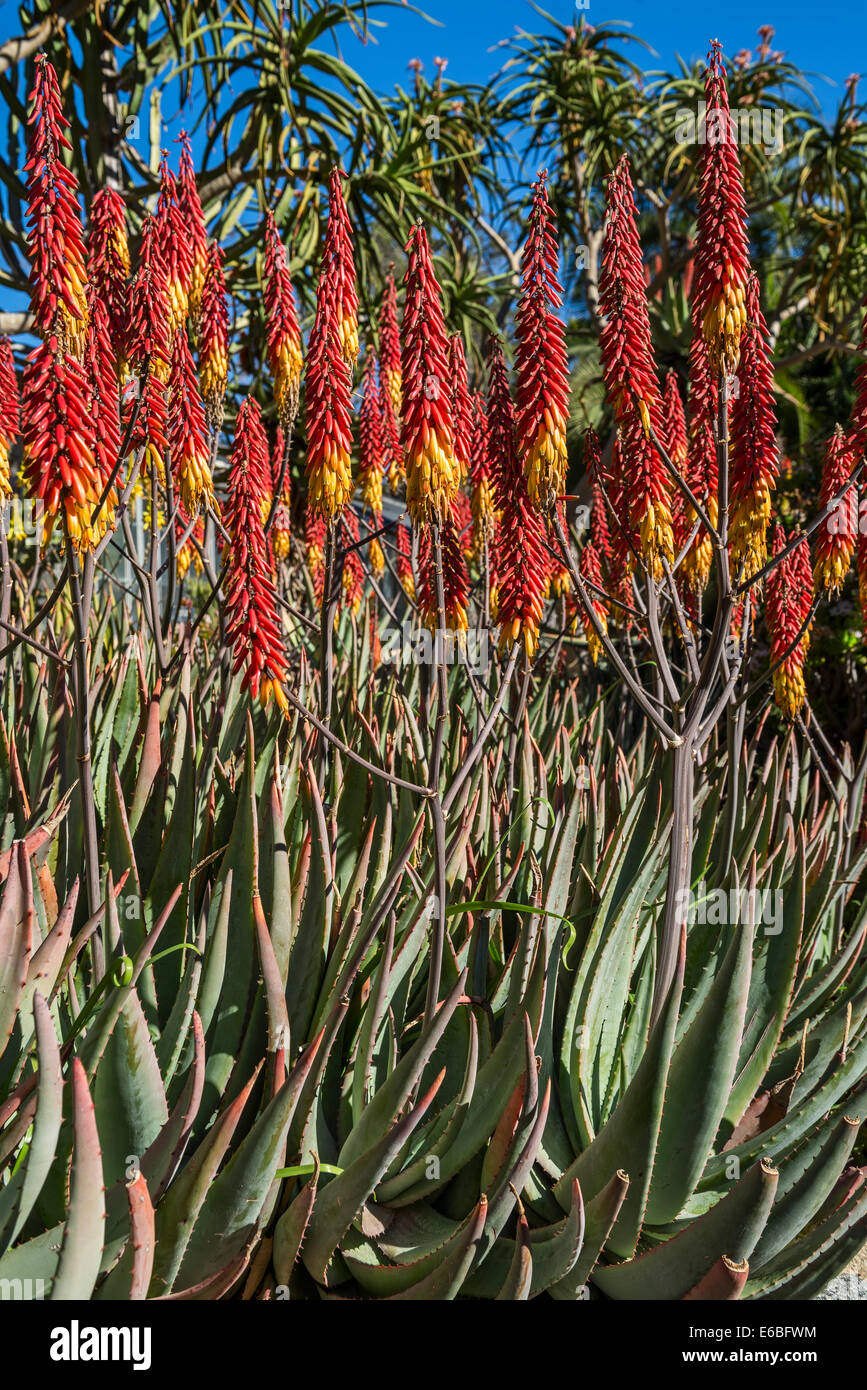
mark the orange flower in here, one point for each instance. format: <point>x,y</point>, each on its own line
<point>427,436</point>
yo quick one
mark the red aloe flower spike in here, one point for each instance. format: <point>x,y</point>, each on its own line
<point>722,252</point>
<point>456,580</point>
<point>371,459</point>
<point>339,265</point>
<point>427,435</point>
<point>10,414</point>
<point>352,579</point>
<point>214,338</point>
<point>176,249</point>
<point>187,552</point>
<point>521,558</point>
<point>329,427</point>
<point>60,469</point>
<point>675,438</point>
<point>789,597</point>
<point>838,533</point>
<point>55,240</point>
<point>100,365</point>
<point>389,344</point>
<point>600,536</point>
<point>404,560</point>
<point>281,529</point>
<point>483,507</point>
<point>392,450</point>
<point>462,419</point>
<point>753,460</point>
<point>253,629</point>
<point>185,430</point>
<point>542,364</point>
<point>701,468</point>
<point>314,545</point>
<point>148,348</point>
<point>192,213</point>
<point>591,572</point>
<point>630,373</point>
<point>108,265</point>
<point>281,325</point>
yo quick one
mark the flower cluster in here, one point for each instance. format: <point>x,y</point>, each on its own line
<point>176,249</point>
<point>329,426</point>
<point>213,338</point>
<point>389,344</point>
<point>253,628</point>
<point>753,461</point>
<point>404,560</point>
<point>148,348</point>
<point>482,504</point>
<point>456,581</point>
<point>837,534</point>
<point>462,410</point>
<point>701,465</point>
<point>427,435</point>
<point>787,607</point>
<point>185,430</point>
<point>108,265</point>
<point>370,451</point>
<point>542,367</point>
<point>192,213</point>
<point>281,326</point>
<point>339,264</point>
<point>590,569</point>
<point>10,414</point>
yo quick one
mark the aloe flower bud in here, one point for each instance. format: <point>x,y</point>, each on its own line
<point>462,419</point>
<point>404,560</point>
<point>148,347</point>
<point>339,263</point>
<point>314,548</point>
<point>281,326</point>
<point>108,266</point>
<point>60,466</point>
<point>192,213</point>
<point>214,338</point>
<point>789,596</point>
<point>55,241</point>
<point>427,435</point>
<point>838,533</point>
<point>370,448</point>
<point>456,580</point>
<point>701,467</point>
<point>176,249</point>
<point>185,430</point>
<point>482,504</point>
<point>10,414</point>
<point>389,344</point>
<point>329,428</point>
<point>352,579</point>
<point>253,628</point>
<point>721,253</point>
<point>542,366</point>
<point>281,528</point>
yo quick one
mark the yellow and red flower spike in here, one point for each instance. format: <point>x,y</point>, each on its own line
<point>148,345</point>
<point>253,628</point>
<point>176,249</point>
<point>462,415</point>
<point>328,405</point>
<point>542,364</point>
<point>281,527</point>
<point>10,414</point>
<point>591,572</point>
<point>456,580</point>
<point>521,557</point>
<point>108,266</point>
<point>427,434</point>
<point>185,430</point>
<point>338,264</point>
<point>192,212</point>
<point>392,449</point>
<point>675,438</point>
<point>600,535</point>
<point>753,456</point>
<point>371,458</point>
<point>187,553</point>
<point>352,578</point>
<point>482,503</point>
<point>100,365</point>
<point>389,344</point>
<point>404,560</point>
<point>281,326</point>
<point>314,546</point>
<point>630,374</point>
<point>701,465</point>
<point>214,338</point>
<point>55,240</point>
<point>789,597</point>
<point>722,251</point>
<point>60,469</point>
<point>838,533</point>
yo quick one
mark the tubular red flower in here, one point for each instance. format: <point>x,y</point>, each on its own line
<point>838,533</point>
<point>253,627</point>
<point>371,458</point>
<point>339,264</point>
<point>427,435</point>
<point>722,252</point>
<point>542,365</point>
<point>185,430</point>
<point>591,571</point>
<point>462,418</point>
<point>108,265</point>
<point>214,338</point>
<point>521,557</point>
<point>60,469</point>
<point>329,428</point>
<point>404,560</point>
<point>456,580</point>
<point>55,241</point>
<point>352,579</point>
<point>701,465</point>
<point>100,366</point>
<point>789,597</point>
<point>10,414</point>
<point>192,213</point>
<point>392,450</point>
<point>281,529</point>
<point>281,326</point>
<point>389,344</point>
<point>483,508</point>
<point>600,535</point>
<point>630,374</point>
<point>314,545</point>
<point>753,460</point>
<point>187,553</point>
<point>176,249</point>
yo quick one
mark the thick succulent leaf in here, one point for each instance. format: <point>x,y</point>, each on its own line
<point>81,1251</point>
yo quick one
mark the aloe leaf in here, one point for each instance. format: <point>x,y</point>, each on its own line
<point>81,1250</point>
<point>16,940</point>
<point>290,1228</point>
<point>20,1193</point>
<point>793,1212</point>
